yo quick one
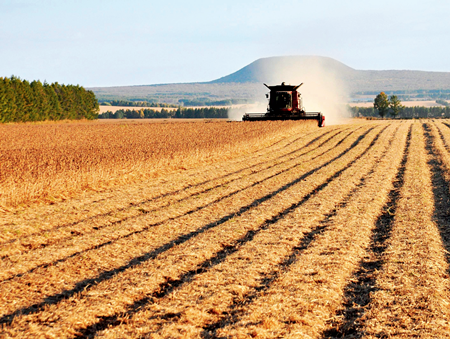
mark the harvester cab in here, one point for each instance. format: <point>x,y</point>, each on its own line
<point>285,103</point>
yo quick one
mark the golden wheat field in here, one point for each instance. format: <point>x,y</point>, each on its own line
<point>225,230</point>
<point>54,161</point>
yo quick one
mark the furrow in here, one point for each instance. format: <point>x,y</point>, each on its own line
<point>357,293</point>
<point>440,170</point>
<point>444,134</point>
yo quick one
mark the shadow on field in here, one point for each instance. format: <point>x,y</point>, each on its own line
<point>362,284</point>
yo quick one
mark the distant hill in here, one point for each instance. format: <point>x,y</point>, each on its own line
<point>246,83</point>
<point>275,68</point>
<point>271,69</point>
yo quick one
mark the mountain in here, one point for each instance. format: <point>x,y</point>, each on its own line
<point>275,69</point>
<point>246,83</point>
<point>265,69</point>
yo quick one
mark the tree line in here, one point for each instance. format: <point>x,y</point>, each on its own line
<point>22,101</point>
<point>442,102</point>
<point>383,106</point>
<point>180,113</point>
<point>422,94</point>
<point>134,103</point>
<point>208,102</point>
<point>405,113</point>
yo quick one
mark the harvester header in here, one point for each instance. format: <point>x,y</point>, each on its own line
<point>285,103</point>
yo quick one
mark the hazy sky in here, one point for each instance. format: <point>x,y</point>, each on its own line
<point>134,42</point>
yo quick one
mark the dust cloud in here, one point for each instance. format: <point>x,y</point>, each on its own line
<point>322,91</point>
<point>236,112</point>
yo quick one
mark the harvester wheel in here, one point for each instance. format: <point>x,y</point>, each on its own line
<point>321,120</point>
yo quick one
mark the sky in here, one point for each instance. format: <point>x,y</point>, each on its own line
<point>137,42</point>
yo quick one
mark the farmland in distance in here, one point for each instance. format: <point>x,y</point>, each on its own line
<point>266,230</point>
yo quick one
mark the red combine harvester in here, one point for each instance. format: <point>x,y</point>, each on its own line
<point>285,103</point>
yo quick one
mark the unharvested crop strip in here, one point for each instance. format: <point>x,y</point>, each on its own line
<point>191,211</point>
<point>107,155</point>
<point>239,159</point>
<point>235,160</point>
<point>171,193</point>
<point>357,294</point>
<point>171,285</point>
<point>137,261</point>
<point>55,261</point>
<point>263,152</point>
<point>106,275</point>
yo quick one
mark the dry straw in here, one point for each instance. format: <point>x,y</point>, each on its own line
<point>412,297</point>
<point>260,235</point>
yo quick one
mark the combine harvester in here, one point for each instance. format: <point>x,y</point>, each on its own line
<point>285,103</point>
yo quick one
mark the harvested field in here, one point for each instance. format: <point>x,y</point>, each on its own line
<point>272,230</point>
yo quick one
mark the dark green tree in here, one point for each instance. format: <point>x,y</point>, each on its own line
<point>24,101</point>
<point>395,105</point>
<point>381,103</point>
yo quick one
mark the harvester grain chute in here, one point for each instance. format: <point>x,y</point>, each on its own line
<point>285,103</point>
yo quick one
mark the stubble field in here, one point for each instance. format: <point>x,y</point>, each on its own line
<point>290,231</point>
